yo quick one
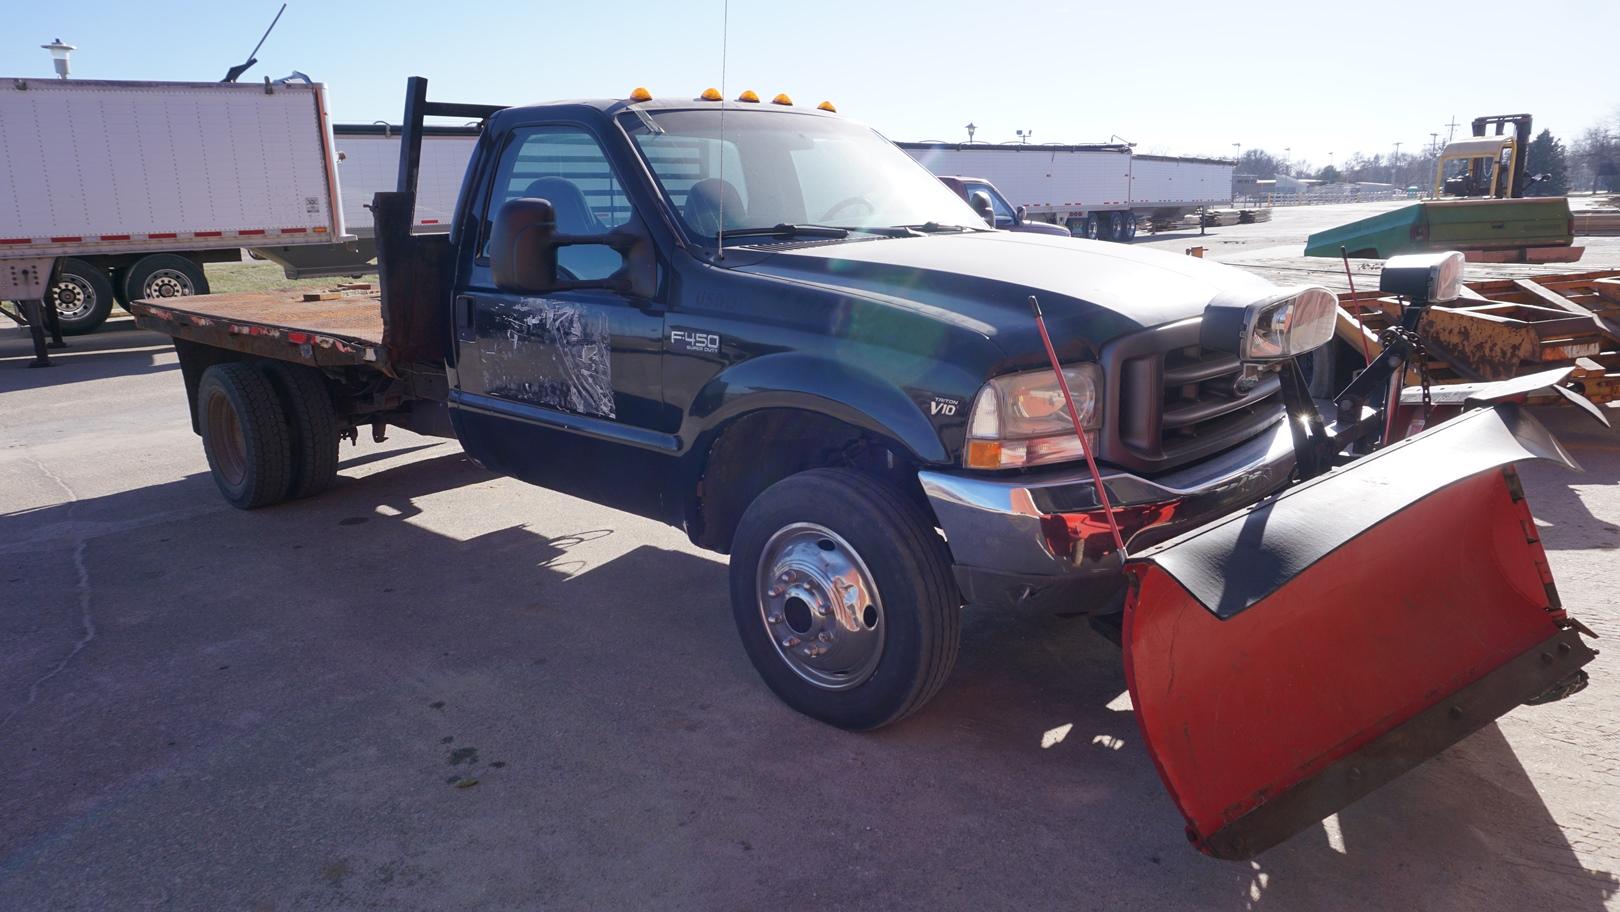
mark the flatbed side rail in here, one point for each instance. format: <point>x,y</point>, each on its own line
<point>263,339</point>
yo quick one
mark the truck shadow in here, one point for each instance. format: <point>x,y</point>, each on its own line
<point>1467,830</point>
<point>1554,492</point>
<point>117,349</point>
<point>325,654</point>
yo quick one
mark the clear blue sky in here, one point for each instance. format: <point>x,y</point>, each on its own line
<point>1182,77</point>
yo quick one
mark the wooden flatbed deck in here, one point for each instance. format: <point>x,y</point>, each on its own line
<point>341,327</point>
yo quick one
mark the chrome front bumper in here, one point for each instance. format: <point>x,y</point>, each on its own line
<point>994,525</point>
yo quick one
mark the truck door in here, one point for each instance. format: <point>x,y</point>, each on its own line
<point>561,388</point>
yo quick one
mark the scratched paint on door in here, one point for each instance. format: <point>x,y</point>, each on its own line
<point>551,353</point>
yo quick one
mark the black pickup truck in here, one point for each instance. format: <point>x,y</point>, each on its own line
<point>772,328</point>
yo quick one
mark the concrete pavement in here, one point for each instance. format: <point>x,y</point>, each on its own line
<point>432,688</point>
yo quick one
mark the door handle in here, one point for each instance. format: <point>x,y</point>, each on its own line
<point>465,330</point>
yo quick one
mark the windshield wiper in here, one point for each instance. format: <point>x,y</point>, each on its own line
<point>935,227</point>
<point>787,231</point>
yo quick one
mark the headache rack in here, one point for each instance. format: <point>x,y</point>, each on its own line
<point>415,271</point>
<point>1170,402</point>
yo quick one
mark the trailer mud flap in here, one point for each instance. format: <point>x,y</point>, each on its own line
<point>1287,660</point>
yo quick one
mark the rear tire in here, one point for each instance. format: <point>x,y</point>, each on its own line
<point>163,275</point>
<point>1127,227</point>
<point>889,628</point>
<point>245,435</point>
<point>312,424</point>
<point>82,295</point>
<point>1115,229</point>
<point>1092,227</point>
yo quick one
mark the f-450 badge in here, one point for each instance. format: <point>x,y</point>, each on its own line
<point>696,341</point>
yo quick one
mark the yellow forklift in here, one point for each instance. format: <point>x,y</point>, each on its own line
<point>1485,165</point>
<point>1479,209</point>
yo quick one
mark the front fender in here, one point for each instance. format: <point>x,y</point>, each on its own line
<point>822,385</point>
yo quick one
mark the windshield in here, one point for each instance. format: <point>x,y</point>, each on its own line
<point>776,169</point>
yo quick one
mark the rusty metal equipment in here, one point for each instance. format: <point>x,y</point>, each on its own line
<point>1507,328</point>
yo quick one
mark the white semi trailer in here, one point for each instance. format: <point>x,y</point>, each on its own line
<point>368,161</point>
<point>1096,191</point>
<point>123,190</point>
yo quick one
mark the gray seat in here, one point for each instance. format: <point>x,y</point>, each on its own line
<point>702,209</point>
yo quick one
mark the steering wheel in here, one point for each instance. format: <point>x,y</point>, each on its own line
<point>848,203</point>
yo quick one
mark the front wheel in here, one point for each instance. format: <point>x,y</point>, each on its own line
<point>82,295</point>
<point>843,596</point>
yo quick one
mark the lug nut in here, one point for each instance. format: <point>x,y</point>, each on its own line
<point>775,618</point>
<point>790,642</point>
<point>775,591</point>
<point>824,637</point>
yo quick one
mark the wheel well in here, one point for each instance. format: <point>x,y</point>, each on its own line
<point>195,359</point>
<point>754,451</point>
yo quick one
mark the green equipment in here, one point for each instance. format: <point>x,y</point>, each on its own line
<point>1464,224</point>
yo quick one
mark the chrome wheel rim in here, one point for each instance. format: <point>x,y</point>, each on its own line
<point>167,283</point>
<point>73,297</point>
<point>820,606</point>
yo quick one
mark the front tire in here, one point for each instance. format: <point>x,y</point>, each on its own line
<point>245,435</point>
<point>842,593</point>
<point>82,295</point>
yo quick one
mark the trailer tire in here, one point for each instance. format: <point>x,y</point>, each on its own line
<point>1090,227</point>
<point>312,425</point>
<point>82,295</point>
<point>163,275</point>
<point>245,435</point>
<point>1127,231</point>
<point>881,660</point>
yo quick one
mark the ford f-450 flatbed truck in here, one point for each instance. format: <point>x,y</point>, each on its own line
<point>776,331</point>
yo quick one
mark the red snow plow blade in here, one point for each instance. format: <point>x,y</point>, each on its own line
<point>1289,659</point>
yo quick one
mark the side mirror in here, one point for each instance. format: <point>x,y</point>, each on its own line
<point>1020,215</point>
<point>523,245</point>
<point>980,201</point>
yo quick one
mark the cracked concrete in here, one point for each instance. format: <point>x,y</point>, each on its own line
<point>82,587</point>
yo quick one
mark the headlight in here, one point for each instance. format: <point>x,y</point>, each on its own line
<point>1020,419</point>
<point>1288,323</point>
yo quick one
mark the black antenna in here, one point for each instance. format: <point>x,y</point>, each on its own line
<point>720,225</point>
<point>239,69</point>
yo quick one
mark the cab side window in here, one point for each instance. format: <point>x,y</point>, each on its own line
<point>567,167</point>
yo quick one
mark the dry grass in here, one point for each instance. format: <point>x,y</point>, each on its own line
<point>259,275</point>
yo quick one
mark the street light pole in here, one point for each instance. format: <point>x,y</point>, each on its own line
<point>59,56</point>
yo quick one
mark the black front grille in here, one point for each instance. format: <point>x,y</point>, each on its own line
<point>1171,402</point>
